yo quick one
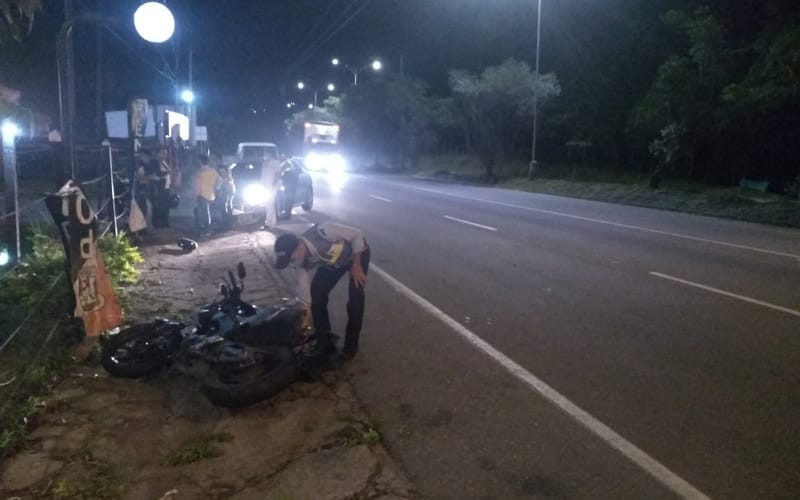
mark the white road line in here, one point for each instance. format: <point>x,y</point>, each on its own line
<point>727,294</point>
<point>387,200</point>
<point>619,443</point>
<point>470,223</point>
<point>611,223</point>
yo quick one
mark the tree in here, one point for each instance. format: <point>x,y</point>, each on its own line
<point>681,107</point>
<point>390,118</point>
<point>16,19</point>
<point>497,106</point>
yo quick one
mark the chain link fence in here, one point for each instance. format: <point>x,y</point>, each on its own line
<point>36,325</point>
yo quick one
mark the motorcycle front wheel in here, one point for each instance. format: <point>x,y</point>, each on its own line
<point>138,350</point>
<point>232,385</point>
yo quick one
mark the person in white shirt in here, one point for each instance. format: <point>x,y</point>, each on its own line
<point>328,250</point>
<point>270,178</point>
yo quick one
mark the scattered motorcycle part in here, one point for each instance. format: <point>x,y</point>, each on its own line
<point>187,244</point>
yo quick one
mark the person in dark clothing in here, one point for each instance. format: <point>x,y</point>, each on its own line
<point>332,250</point>
<point>141,187</point>
<point>160,188</point>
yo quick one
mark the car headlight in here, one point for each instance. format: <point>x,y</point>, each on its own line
<point>256,194</point>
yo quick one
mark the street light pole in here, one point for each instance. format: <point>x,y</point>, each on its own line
<point>152,20</point>
<point>9,131</point>
<point>532,164</point>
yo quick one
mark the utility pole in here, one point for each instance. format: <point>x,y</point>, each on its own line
<point>532,165</point>
<point>99,110</point>
<point>192,105</point>
<point>67,122</point>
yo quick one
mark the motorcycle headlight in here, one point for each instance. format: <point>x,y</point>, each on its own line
<point>256,194</point>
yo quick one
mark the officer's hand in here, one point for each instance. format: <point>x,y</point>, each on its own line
<point>358,276</point>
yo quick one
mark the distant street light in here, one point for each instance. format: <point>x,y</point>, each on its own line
<point>376,65</point>
<point>154,22</point>
<point>301,85</point>
<point>310,106</point>
<point>331,87</point>
<point>187,96</point>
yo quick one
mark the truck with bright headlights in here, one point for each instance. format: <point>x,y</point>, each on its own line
<point>321,152</point>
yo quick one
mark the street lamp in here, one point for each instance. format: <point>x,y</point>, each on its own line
<point>532,164</point>
<point>154,22</point>
<point>187,96</point>
<point>310,106</point>
<point>376,65</point>
<point>314,87</point>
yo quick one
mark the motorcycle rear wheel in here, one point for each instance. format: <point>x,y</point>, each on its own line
<point>234,386</point>
<point>136,351</point>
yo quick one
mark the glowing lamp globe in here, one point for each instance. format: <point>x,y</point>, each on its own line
<point>154,22</point>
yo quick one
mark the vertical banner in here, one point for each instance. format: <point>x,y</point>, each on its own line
<point>95,301</point>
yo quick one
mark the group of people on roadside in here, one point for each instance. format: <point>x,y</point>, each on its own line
<point>156,186</point>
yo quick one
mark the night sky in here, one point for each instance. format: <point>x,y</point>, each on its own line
<point>248,54</point>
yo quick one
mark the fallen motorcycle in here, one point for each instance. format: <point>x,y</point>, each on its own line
<point>240,353</point>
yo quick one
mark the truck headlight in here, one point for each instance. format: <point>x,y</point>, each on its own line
<point>336,163</point>
<point>315,161</point>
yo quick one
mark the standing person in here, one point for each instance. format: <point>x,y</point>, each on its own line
<point>270,178</point>
<point>141,193</point>
<point>331,250</point>
<point>227,191</point>
<point>161,183</point>
<point>206,184</point>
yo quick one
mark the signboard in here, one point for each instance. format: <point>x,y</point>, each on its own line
<point>117,124</point>
<point>200,133</point>
<point>95,301</point>
<point>177,125</point>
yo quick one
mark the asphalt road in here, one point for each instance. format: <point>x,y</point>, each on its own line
<point>618,352</point>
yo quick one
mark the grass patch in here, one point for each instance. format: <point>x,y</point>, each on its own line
<point>624,187</point>
<point>357,433</point>
<point>731,203</point>
<point>104,482</point>
<point>199,448</point>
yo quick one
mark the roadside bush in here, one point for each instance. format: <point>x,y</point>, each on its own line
<point>35,308</point>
